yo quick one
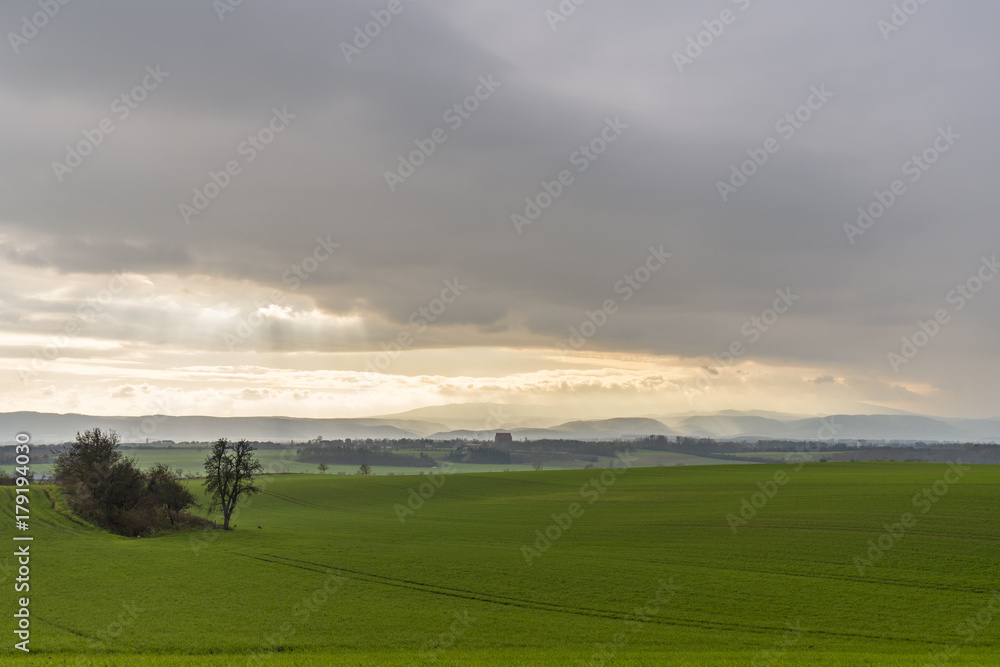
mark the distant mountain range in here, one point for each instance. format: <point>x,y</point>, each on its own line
<point>482,421</point>
<point>852,427</point>
<point>49,428</point>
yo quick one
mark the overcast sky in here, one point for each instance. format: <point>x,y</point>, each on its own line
<point>138,275</point>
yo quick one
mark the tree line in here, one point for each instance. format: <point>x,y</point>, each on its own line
<point>347,455</point>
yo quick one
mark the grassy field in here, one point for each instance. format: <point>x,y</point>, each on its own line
<point>778,457</point>
<point>660,569</point>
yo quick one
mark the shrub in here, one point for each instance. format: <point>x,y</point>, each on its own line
<point>108,489</point>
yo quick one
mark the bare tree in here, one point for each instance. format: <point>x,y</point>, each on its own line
<point>322,467</point>
<point>229,471</point>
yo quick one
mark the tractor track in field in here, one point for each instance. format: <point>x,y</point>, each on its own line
<point>61,529</point>
<point>834,577</point>
<point>837,529</point>
<point>65,629</point>
<point>440,590</point>
<point>556,608</point>
<point>294,501</point>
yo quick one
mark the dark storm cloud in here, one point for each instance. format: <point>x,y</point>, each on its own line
<point>324,174</point>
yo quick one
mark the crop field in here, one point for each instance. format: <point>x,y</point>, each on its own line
<point>830,564</point>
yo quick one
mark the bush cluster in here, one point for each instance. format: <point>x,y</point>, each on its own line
<point>106,488</point>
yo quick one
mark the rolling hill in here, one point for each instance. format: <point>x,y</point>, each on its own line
<point>652,568</point>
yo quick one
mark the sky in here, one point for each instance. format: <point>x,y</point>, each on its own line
<point>321,209</point>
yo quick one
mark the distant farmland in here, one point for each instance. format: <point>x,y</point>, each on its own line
<point>191,460</point>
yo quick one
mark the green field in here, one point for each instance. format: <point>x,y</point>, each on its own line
<point>334,577</point>
<point>778,457</point>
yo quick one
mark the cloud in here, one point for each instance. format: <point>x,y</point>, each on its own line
<point>323,177</point>
<point>125,391</point>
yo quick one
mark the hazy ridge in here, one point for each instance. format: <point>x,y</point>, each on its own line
<point>478,421</point>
